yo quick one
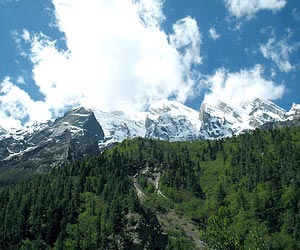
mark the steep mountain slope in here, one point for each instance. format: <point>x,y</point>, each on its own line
<point>118,126</point>
<point>293,113</point>
<point>172,121</point>
<point>292,118</point>
<point>43,146</point>
<point>221,120</point>
<point>166,120</point>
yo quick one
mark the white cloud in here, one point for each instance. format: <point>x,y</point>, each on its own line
<point>243,86</point>
<point>213,34</point>
<point>273,73</point>
<point>26,35</point>
<point>118,56</point>
<point>20,80</point>
<point>187,41</point>
<point>280,51</point>
<point>20,40</point>
<point>151,12</point>
<point>18,108</point>
<point>248,8</point>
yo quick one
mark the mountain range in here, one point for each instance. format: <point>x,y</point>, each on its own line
<point>84,132</point>
<point>173,121</point>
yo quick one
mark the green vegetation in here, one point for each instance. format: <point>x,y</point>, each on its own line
<point>238,193</point>
<point>87,205</point>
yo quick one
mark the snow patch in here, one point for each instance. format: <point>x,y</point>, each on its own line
<point>19,153</point>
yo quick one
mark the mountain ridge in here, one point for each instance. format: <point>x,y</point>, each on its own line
<point>85,132</point>
<point>171,120</point>
<point>52,144</point>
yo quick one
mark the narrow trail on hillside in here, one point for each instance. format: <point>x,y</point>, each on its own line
<point>141,195</point>
<point>156,177</point>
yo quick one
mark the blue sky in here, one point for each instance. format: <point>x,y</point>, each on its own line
<point>125,54</point>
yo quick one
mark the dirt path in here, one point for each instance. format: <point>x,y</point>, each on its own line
<point>141,195</point>
<point>156,184</point>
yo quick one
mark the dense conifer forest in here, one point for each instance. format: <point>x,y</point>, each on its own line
<point>238,193</point>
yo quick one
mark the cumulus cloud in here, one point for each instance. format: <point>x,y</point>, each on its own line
<point>280,51</point>
<point>17,107</point>
<point>213,34</point>
<point>248,8</point>
<point>151,12</point>
<point>187,41</point>
<point>117,57</point>
<point>243,86</point>
<point>20,80</point>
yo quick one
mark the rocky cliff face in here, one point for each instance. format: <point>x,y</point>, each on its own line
<point>171,121</point>
<point>166,120</point>
<point>281,124</point>
<point>53,144</point>
<point>262,111</point>
<point>293,113</point>
<point>221,120</point>
<point>118,125</point>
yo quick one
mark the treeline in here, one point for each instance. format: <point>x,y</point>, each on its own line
<point>241,193</point>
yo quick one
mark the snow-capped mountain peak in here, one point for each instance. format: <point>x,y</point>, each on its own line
<point>78,120</point>
<point>219,120</point>
<point>294,112</point>
<point>163,106</point>
<point>222,120</point>
<point>118,125</point>
<point>260,111</point>
<point>170,120</point>
<point>36,149</point>
<point>173,109</point>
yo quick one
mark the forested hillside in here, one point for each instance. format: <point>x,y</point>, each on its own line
<point>238,193</point>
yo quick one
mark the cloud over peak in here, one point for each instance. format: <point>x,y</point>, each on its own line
<point>245,85</point>
<point>16,106</point>
<point>117,57</point>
